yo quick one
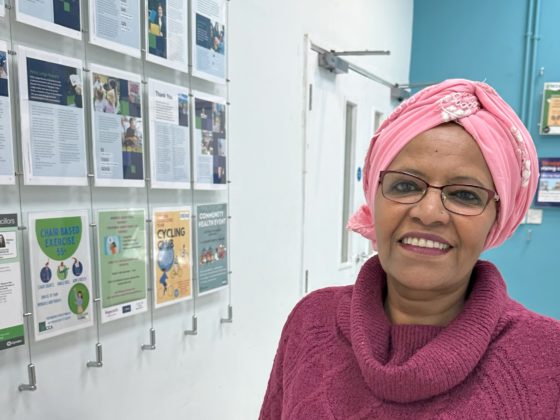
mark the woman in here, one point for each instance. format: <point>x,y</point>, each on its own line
<point>428,331</point>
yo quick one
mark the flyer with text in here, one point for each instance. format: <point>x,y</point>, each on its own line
<point>7,176</point>
<point>167,33</point>
<point>209,39</point>
<point>550,112</point>
<point>172,255</point>
<point>115,24</point>
<point>170,136</point>
<point>548,193</point>
<point>61,17</point>
<point>122,262</point>
<point>52,119</point>
<point>116,121</point>
<point>211,247</point>
<point>11,308</point>
<point>210,142</point>
<point>60,270</point>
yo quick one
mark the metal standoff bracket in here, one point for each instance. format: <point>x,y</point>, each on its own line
<point>229,319</point>
<point>152,345</point>
<point>98,356</point>
<point>194,330</point>
<point>32,385</point>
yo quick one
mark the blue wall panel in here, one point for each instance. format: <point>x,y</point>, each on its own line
<point>485,40</point>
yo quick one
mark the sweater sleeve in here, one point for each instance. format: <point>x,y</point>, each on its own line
<point>273,399</point>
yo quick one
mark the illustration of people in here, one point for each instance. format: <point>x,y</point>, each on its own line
<point>131,134</point>
<point>79,299</point>
<point>62,271</point>
<point>2,241</point>
<point>161,21</point>
<point>46,273</point>
<point>219,175</point>
<point>77,267</point>
<point>100,104</point>
<point>3,66</point>
<point>76,89</point>
<point>112,96</point>
<point>221,251</point>
<point>165,260</point>
<point>113,248</point>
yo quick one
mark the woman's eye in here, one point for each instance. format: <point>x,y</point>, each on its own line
<point>403,187</point>
<point>469,197</point>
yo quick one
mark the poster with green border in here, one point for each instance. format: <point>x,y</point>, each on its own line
<point>211,247</point>
<point>11,308</point>
<point>60,271</point>
<point>122,262</point>
<point>550,113</point>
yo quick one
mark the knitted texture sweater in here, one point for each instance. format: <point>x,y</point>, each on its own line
<point>339,357</point>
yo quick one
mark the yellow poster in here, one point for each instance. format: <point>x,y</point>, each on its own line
<point>172,255</point>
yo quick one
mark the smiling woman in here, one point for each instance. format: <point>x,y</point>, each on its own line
<point>428,330</point>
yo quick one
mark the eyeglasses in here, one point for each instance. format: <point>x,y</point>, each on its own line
<point>467,200</point>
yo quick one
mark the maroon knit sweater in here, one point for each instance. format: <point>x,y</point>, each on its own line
<point>340,358</point>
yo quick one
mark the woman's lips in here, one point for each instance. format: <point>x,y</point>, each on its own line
<point>425,243</point>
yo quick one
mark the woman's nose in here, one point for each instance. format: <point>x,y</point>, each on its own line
<point>430,208</point>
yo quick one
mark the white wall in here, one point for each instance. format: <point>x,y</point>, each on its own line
<point>222,372</point>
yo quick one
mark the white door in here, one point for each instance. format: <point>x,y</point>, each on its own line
<point>341,114</point>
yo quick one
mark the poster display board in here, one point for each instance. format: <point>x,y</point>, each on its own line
<point>167,33</point>
<point>52,119</point>
<point>11,309</point>
<point>211,247</point>
<point>60,271</point>
<point>61,17</point>
<point>6,136</point>
<point>548,193</point>
<point>550,113</point>
<point>172,255</point>
<point>122,262</point>
<point>118,144</point>
<point>115,24</point>
<point>169,130</point>
<point>210,142</point>
<point>208,37</point>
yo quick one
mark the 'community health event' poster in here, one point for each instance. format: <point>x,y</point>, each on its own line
<point>118,140</point>
<point>210,142</point>
<point>52,119</point>
<point>169,128</point>
<point>211,247</point>
<point>122,262</point>
<point>6,139</point>
<point>60,270</point>
<point>209,39</point>
<point>11,310</point>
<point>172,255</point>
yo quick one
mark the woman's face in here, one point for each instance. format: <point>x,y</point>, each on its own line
<point>446,154</point>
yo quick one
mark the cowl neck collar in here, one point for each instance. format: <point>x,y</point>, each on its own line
<point>406,363</point>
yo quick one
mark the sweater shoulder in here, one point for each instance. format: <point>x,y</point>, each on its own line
<point>526,323</point>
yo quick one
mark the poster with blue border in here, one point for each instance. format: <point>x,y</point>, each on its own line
<point>7,176</point>
<point>59,16</point>
<point>52,118</point>
<point>548,193</point>
<point>209,39</point>
<point>60,271</point>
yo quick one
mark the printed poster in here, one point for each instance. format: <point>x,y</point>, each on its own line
<point>60,267</point>
<point>11,308</point>
<point>122,263</point>
<point>167,33</point>
<point>52,119</point>
<point>169,130</point>
<point>550,113</point>
<point>210,142</point>
<point>211,247</point>
<point>118,139</point>
<point>209,39</point>
<point>548,193</point>
<point>172,255</point>
<point>6,137</point>
<point>115,24</point>
<point>59,16</point>
<point>2,8</point>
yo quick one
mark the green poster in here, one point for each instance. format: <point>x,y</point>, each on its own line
<point>122,262</point>
<point>211,247</point>
<point>11,320</point>
<point>550,113</point>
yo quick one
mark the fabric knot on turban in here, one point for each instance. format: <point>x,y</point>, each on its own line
<point>504,141</point>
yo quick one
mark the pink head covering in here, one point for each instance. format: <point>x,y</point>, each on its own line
<point>504,141</point>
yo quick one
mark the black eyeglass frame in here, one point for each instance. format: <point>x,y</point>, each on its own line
<point>492,195</point>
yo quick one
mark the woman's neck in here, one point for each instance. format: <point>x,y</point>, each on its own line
<point>419,307</point>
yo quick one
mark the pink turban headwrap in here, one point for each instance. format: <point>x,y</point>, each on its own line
<point>504,141</point>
